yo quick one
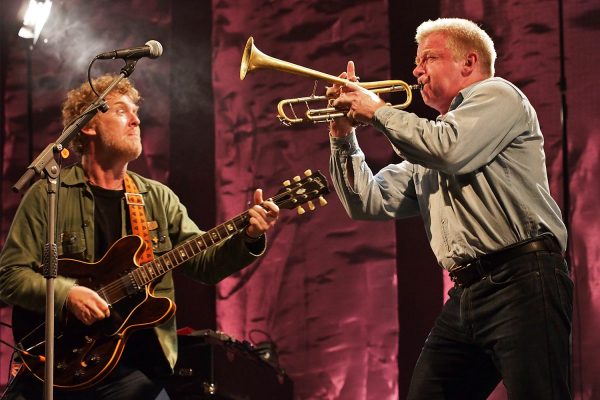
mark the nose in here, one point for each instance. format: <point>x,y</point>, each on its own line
<point>418,71</point>
<point>134,120</point>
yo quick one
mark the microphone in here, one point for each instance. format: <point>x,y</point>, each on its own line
<point>152,49</point>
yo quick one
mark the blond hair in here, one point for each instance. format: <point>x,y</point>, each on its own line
<point>462,36</point>
<point>80,98</point>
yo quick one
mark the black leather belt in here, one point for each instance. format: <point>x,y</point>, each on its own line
<point>468,273</point>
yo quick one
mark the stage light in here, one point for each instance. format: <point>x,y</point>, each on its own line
<point>35,18</point>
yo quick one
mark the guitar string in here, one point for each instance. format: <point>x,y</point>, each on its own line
<point>116,286</point>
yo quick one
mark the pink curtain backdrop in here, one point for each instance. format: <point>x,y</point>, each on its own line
<point>326,292</point>
<point>329,306</point>
<point>583,99</point>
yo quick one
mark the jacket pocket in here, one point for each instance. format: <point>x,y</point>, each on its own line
<point>161,242</point>
<point>71,244</point>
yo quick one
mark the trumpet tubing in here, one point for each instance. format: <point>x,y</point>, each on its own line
<point>253,59</point>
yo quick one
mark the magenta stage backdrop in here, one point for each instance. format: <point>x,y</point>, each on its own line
<point>327,291</point>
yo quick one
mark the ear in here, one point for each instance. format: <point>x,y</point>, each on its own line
<point>89,130</point>
<point>470,63</point>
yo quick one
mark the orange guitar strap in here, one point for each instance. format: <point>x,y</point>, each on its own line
<point>139,224</point>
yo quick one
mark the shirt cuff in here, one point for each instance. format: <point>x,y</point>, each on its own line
<point>256,246</point>
<point>382,115</point>
<point>344,145</point>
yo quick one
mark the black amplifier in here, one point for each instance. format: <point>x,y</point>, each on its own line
<point>212,365</point>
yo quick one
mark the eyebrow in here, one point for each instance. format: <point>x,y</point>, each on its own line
<point>425,54</point>
<point>122,103</point>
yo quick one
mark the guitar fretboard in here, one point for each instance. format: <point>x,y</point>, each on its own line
<point>159,266</point>
<point>293,195</point>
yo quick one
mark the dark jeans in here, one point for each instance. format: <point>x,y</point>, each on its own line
<point>125,384</point>
<point>514,325</point>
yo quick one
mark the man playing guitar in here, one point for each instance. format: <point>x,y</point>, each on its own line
<point>94,211</point>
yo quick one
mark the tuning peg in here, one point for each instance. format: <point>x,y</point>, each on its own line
<point>322,201</point>
<point>301,210</point>
<point>287,183</point>
<point>297,178</point>
<point>308,172</point>
<point>311,206</point>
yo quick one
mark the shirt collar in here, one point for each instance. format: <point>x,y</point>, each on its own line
<point>74,176</point>
<point>464,93</point>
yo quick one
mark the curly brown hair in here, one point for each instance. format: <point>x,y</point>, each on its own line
<point>79,98</point>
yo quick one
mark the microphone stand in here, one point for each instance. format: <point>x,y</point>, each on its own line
<point>46,167</point>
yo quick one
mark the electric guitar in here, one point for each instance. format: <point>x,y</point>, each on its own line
<point>84,355</point>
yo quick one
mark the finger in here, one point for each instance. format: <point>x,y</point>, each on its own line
<point>257,227</point>
<point>84,317</point>
<point>273,209</point>
<point>258,196</point>
<point>257,212</point>
<point>332,92</point>
<point>97,313</point>
<point>351,71</point>
<point>341,102</point>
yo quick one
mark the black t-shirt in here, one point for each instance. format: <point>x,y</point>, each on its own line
<point>142,350</point>
<point>107,218</point>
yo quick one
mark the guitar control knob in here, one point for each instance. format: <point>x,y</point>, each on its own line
<point>301,210</point>
<point>93,359</point>
<point>297,178</point>
<point>308,172</point>
<point>287,183</point>
<point>311,206</point>
<point>322,201</point>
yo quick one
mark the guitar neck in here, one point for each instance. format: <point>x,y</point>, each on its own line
<point>156,268</point>
<point>294,194</point>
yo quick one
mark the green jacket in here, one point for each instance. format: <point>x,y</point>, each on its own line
<point>22,284</point>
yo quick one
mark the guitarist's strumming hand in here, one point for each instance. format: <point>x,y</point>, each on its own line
<point>86,305</point>
<point>263,216</point>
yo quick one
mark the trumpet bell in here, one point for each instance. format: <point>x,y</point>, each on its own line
<point>253,59</point>
<point>249,51</point>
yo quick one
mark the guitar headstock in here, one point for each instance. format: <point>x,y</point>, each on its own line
<point>300,191</point>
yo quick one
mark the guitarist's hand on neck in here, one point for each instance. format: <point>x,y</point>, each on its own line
<point>86,305</point>
<point>263,216</point>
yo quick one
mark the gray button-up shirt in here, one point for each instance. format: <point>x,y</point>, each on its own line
<point>476,175</point>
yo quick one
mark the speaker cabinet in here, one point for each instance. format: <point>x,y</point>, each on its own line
<point>212,365</point>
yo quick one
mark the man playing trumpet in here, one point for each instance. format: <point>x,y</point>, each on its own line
<point>477,177</point>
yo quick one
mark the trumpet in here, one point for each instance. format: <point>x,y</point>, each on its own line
<point>253,59</point>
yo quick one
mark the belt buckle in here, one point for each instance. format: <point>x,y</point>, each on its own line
<point>454,274</point>
<point>475,273</point>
